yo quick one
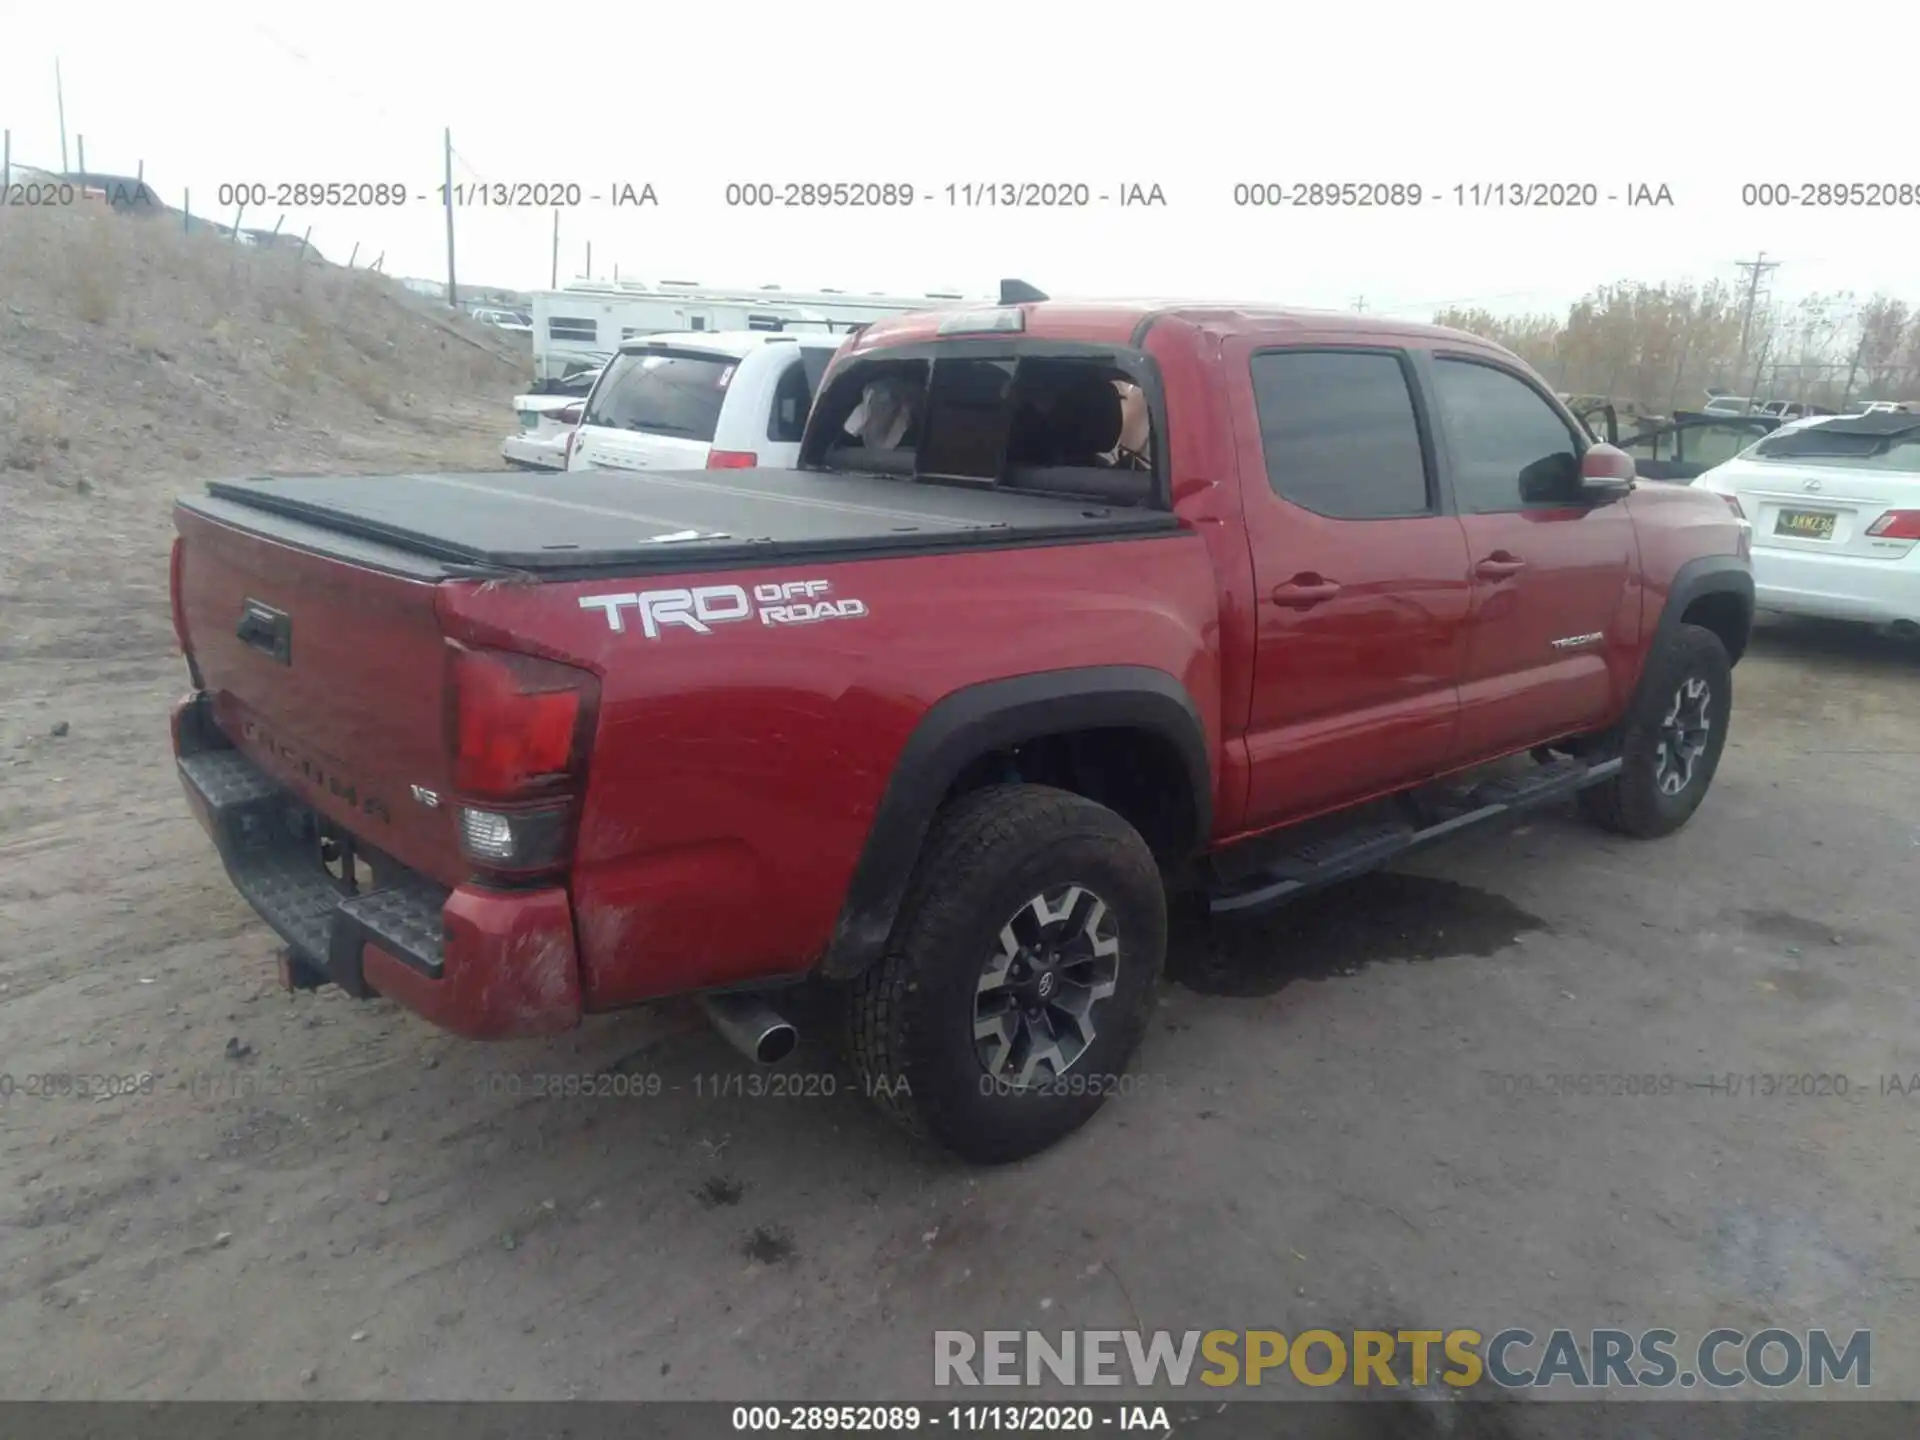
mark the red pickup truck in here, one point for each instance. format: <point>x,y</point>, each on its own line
<point>1066,607</point>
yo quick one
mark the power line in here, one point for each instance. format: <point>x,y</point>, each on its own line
<point>1432,305</point>
<point>468,166</point>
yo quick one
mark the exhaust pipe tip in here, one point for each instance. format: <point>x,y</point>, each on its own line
<point>751,1026</point>
<point>776,1044</point>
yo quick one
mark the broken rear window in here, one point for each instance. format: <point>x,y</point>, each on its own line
<point>1065,425</point>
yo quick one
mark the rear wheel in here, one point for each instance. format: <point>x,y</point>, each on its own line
<point>1671,741</point>
<point>1019,975</point>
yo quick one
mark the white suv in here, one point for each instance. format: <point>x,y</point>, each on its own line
<point>1834,502</point>
<point>702,400</point>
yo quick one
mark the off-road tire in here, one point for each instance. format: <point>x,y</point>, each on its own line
<point>911,1015</point>
<point>1633,802</point>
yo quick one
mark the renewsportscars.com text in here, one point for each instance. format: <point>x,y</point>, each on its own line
<point>1511,1359</point>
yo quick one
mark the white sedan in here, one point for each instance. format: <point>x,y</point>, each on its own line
<point>1834,502</point>
<point>547,422</point>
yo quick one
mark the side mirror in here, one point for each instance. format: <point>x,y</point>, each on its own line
<point>1606,474</point>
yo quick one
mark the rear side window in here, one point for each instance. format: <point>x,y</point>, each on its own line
<point>665,392</point>
<point>1510,448</point>
<point>793,396</point>
<point>1339,433</point>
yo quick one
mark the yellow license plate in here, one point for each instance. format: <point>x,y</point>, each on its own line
<point>1805,524</point>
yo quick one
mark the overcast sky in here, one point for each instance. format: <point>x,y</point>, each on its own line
<point>1192,96</point>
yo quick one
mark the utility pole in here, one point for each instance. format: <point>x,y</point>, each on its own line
<point>1359,304</point>
<point>1757,270</point>
<point>60,99</point>
<point>453,293</point>
<point>1853,370</point>
<point>554,282</point>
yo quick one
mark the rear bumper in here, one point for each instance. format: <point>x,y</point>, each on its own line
<point>484,963</point>
<point>1837,587</point>
<point>530,454</point>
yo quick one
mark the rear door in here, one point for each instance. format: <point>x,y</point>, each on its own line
<point>1360,577</point>
<point>654,408</point>
<point>1555,618</point>
<point>1683,449</point>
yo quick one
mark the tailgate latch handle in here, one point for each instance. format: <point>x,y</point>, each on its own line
<point>267,630</point>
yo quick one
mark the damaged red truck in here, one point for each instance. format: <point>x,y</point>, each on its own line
<point>1069,607</point>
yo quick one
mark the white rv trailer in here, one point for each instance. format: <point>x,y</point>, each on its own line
<point>583,323</point>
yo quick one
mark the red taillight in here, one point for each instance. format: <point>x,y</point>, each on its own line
<point>519,724</point>
<point>519,729</point>
<point>1896,525</point>
<point>573,443</point>
<point>731,460</point>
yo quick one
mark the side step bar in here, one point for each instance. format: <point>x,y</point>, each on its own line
<point>1355,852</point>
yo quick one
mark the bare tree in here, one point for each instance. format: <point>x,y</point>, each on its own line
<point>1661,348</point>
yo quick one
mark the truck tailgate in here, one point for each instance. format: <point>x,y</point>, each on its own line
<point>328,675</point>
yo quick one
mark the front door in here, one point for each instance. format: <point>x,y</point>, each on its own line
<point>1686,447</point>
<point>1555,623</point>
<point>1359,579</point>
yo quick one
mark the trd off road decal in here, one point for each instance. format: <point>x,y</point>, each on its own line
<point>793,602</point>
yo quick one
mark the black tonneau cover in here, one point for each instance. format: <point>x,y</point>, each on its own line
<point>664,520</point>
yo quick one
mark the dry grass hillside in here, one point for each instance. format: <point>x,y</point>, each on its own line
<point>131,354</point>
<point>137,361</point>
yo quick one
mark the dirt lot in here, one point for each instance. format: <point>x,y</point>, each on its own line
<point>322,1198</point>
<point>327,1198</point>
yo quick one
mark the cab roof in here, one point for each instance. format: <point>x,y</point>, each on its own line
<point>1117,322</point>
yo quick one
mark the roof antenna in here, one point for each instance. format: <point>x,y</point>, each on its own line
<point>1018,292</point>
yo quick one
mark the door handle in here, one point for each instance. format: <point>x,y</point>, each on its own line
<point>1305,591</point>
<point>1499,565</point>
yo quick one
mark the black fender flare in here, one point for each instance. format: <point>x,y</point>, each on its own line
<point>975,721</point>
<point>1707,575</point>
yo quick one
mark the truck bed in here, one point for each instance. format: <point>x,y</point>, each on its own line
<point>586,521</point>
